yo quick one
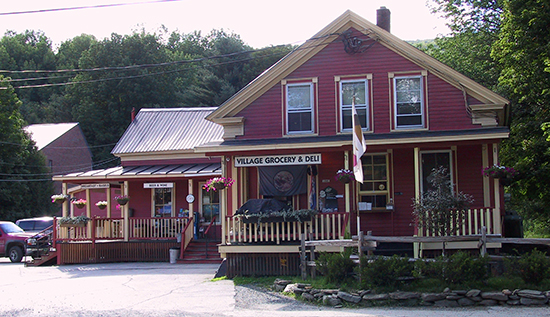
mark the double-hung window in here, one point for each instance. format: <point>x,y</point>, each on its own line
<point>408,102</point>
<point>353,91</point>
<point>299,108</point>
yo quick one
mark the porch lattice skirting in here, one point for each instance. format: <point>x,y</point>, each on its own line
<point>116,251</point>
<point>262,264</point>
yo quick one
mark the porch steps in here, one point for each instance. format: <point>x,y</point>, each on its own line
<point>201,252</point>
<point>44,260</point>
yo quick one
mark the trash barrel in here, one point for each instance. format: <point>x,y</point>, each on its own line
<point>174,253</point>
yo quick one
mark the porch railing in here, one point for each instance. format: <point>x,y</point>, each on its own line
<point>157,228</point>
<point>112,229</point>
<point>324,226</point>
<point>473,221</point>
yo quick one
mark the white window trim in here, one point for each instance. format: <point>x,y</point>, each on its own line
<point>359,106</point>
<point>422,104</point>
<point>311,107</point>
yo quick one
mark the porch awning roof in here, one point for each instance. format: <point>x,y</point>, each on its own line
<point>146,171</point>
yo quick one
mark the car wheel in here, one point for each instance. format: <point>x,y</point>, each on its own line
<point>15,254</point>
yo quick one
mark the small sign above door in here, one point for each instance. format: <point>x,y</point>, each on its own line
<point>158,185</point>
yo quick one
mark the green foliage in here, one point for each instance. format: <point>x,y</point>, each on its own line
<point>523,49</point>
<point>532,267</point>
<point>459,268</point>
<point>440,210</point>
<point>24,188</point>
<point>336,267</point>
<point>385,272</point>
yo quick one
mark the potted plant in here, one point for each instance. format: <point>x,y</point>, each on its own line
<point>79,203</point>
<point>344,176</point>
<point>218,183</point>
<point>101,204</point>
<point>122,200</point>
<point>288,215</point>
<point>505,175</point>
<point>78,221</point>
<point>59,199</point>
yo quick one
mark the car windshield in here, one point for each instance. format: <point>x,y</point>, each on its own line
<point>10,227</point>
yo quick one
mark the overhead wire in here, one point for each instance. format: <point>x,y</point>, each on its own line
<point>98,6</point>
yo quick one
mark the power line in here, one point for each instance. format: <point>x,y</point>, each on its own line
<point>86,7</point>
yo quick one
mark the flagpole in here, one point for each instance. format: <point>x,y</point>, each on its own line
<point>359,148</point>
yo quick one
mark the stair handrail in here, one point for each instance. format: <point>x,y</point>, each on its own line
<point>206,235</point>
<point>184,243</point>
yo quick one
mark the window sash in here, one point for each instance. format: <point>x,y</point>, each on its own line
<point>347,88</point>
<point>299,107</point>
<point>375,187</point>
<point>409,102</point>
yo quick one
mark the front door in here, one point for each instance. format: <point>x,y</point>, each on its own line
<point>431,160</point>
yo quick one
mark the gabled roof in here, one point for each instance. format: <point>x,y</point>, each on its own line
<point>44,134</point>
<point>331,33</point>
<point>168,130</point>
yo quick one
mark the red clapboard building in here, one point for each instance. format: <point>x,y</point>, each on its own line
<point>288,133</point>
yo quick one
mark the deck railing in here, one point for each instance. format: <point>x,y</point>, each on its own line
<point>473,221</point>
<point>157,228</point>
<point>112,229</point>
<point>324,226</point>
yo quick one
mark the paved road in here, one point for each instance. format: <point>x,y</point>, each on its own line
<point>163,289</point>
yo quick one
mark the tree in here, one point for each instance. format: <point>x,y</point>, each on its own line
<point>523,49</point>
<point>440,210</point>
<point>25,185</point>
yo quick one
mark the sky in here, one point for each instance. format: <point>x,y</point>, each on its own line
<point>258,23</point>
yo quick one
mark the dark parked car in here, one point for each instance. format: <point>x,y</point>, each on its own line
<point>12,241</point>
<point>35,225</point>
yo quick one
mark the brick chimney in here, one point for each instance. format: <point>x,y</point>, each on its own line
<point>383,18</point>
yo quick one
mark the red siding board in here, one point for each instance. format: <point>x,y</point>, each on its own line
<point>445,102</point>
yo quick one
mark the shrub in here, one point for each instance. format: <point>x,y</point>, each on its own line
<point>336,267</point>
<point>459,268</point>
<point>532,267</point>
<point>384,272</point>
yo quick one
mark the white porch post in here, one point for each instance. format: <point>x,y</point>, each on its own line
<point>496,213</point>
<point>347,195</point>
<point>223,202</point>
<point>416,245</point>
<point>126,228</point>
<point>65,205</point>
<point>109,201</point>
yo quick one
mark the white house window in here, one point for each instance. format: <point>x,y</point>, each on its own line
<point>349,91</point>
<point>163,202</point>
<point>375,187</point>
<point>299,108</point>
<point>409,102</point>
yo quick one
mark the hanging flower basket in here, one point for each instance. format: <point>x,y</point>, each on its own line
<point>101,204</point>
<point>344,176</point>
<point>80,203</point>
<point>218,183</point>
<point>505,175</point>
<point>122,200</point>
<point>219,186</point>
<point>59,199</point>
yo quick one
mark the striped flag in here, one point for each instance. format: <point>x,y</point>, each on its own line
<point>359,146</point>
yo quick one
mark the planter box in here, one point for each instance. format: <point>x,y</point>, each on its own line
<point>73,224</point>
<point>254,219</point>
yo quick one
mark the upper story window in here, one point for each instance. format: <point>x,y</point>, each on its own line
<point>354,91</point>
<point>408,102</point>
<point>299,108</point>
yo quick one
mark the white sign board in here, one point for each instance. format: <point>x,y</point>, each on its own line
<point>94,186</point>
<point>158,185</point>
<point>276,160</point>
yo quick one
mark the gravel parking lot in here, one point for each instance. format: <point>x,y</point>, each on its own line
<point>163,289</point>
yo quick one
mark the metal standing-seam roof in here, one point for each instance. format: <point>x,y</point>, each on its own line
<point>168,129</point>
